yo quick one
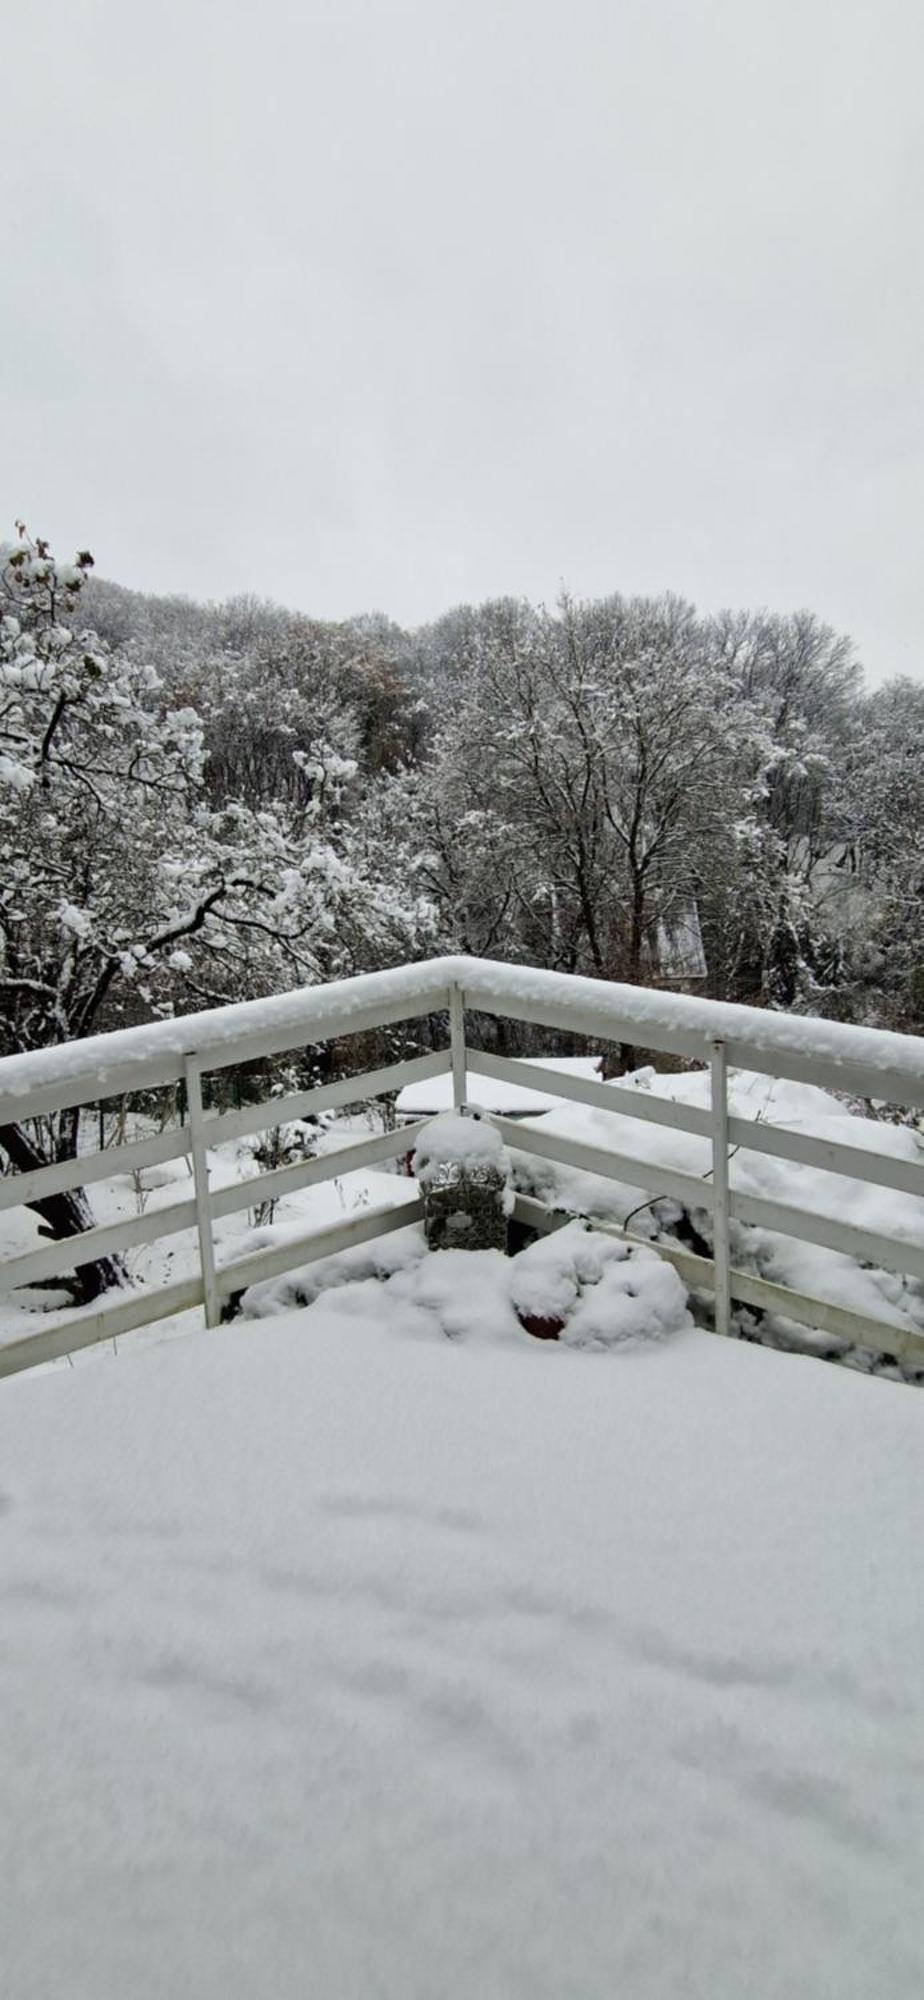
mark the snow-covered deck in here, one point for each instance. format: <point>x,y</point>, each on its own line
<point>341,1658</point>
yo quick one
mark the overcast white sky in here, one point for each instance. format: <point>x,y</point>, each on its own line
<point>369,305</point>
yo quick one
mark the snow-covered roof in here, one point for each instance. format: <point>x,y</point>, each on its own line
<point>490,1093</point>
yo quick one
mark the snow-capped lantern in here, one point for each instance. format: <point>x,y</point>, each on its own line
<point>463,1172</point>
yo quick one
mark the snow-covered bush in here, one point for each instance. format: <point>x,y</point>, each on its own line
<point>592,1290</point>
<point>804,1267</point>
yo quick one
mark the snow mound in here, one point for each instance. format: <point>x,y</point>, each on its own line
<point>547,1277</point>
<point>641,1299</point>
<point>592,1289</point>
<point>603,1293</point>
<point>460,1295</point>
<point>380,1259</point>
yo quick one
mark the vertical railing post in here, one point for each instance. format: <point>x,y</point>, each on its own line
<point>192,1077</point>
<point>721,1252</point>
<point>457,1045</point>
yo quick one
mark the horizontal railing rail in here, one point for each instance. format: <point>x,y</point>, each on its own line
<point>862,1063</point>
<point>748,1134</point>
<point>217,1127</point>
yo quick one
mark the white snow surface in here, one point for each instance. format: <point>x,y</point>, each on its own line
<point>490,1093</point>
<point>342,1658</point>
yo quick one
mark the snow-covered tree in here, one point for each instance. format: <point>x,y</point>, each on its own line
<point>594,742</point>
<point>89,773</point>
<point>129,888</point>
<point>885,854</point>
<point>128,892</point>
<point>96,775</point>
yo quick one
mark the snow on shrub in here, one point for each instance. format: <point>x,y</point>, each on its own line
<point>380,1259</point>
<point>640,1298</point>
<point>594,1291</point>
<point>591,1289</point>
<point>459,1294</point>
<point>806,1267</point>
<point>546,1278</point>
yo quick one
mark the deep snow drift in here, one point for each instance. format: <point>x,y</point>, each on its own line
<point>341,1658</point>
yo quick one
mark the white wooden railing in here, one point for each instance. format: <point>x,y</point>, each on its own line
<point>863,1062</point>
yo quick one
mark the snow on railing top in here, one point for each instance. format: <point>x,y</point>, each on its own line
<point>130,1058</point>
<point>682,1023</point>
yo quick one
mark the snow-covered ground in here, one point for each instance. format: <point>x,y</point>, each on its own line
<point>343,1658</point>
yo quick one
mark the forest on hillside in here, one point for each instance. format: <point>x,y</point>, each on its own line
<point>209,802</point>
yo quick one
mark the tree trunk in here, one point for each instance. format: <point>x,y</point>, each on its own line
<point>63,1215</point>
<point>625,1056</point>
<point>619,1059</point>
<point>636,931</point>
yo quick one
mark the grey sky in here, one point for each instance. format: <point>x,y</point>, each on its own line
<point>393,305</point>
